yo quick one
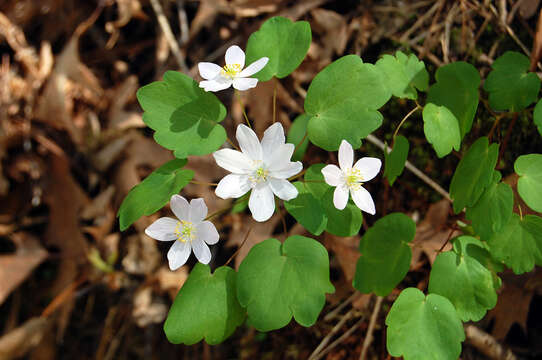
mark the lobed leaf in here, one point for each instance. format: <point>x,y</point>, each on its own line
<point>456,88</point>
<point>154,192</point>
<point>342,101</point>
<point>297,132</point>
<point>206,307</point>
<point>404,74</point>
<point>184,117</point>
<point>394,162</point>
<point>459,276</point>
<point>423,327</point>
<point>473,174</point>
<point>537,116</point>
<point>510,86</point>
<point>441,129</point>
<point>284,42</point>
<point>385,254</point>
<point>519,243</point>
<point>529,169</point>
<point>277,281</point>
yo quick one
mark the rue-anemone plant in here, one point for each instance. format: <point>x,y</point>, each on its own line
<point>277,281</point>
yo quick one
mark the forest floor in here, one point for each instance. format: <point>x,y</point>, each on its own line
<point>73,143</point>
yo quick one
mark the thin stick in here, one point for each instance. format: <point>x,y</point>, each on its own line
<point>447,240</point>
<point>330,315</point>
<point>239,248</point>
<point>374,140</point>
<point>275,103</point>
<point>507,137</point>
<point>301,142</point>
<point>369,337</point>
<point>487,344</point>
<point>233,144</point>
<point>344,336</point>
<point>333,331</point>
<point>170,38</point>
<point>404,119</point>
<point>203,183</point>
<point>64,296</point>
<point>243,108</point>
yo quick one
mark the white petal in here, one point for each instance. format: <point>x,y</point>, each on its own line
<point>248,142</point>
<point>279,157</point>
<point>162,229</point>
<point>214,85</point>
<point>180,207</point>
<point>261,202</point>
<point>178,254</point>
<point>273,137</point>
<point>283,189</point>
<point>208,70</point>
<point>369,167</point>
<point>254,67</point>
<point>232,186</point>
<point>201,250</point>
<point>346,155</point>
<point>289,169</point>
<point>234,55</point>
<point>207,232</point>
<point>332,175</point>
<point>232,160</point>
<point>198,210</point>
<point>363,200</point>
<point>340,197</point>
<point>243,84</point>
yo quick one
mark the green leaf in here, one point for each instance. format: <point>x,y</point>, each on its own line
<point>284,42</point>
<point>462,279</point>
<point>205,307</point>
<point>277,281</point>
<point>184,117</point>
<point>297,132</point>
<point>396,159</point>
<point>510,85</point>
<point>385,254</point>
<point>519,243</point>
<point>154,192</point>
<point>346,222</point>
<point>529,169</point>
<point>307,210</point>
<point>473,174</point>
<point>456,88</point>
<point>441,129</point>
<point>404,74</point>
<point>421,327</point>
<point>537,116</point>
<point>492,211</point>
<point>342,101</point>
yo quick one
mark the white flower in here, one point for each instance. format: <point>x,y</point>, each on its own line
<point>263,168</point>
<point>349,179</point>
<point>219,78</point>
<point>190,231</point>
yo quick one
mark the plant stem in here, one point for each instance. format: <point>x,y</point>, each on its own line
<point>404,119</point>
<point>242,108</point>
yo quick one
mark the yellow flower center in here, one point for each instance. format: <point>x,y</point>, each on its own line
<point>353,179</point>
<point>260,175</point>
<point>185,231</point>
<point>230,70</point>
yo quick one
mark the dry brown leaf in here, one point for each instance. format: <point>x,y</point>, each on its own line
<point>259,231</point>
<point>346,250</point>
<point>301,8</point>
<point>126,9</point>
<point>110,153</point>
<point>253,8</point>
<point>21,340</point>
<point>16,267</point>
<point>516,293</point>
<point>431,233</point>
<point>332,29</point>
<point>142,255</point>
<point>171,281</point>
<point>148,309</point>
<point>536,54</point>
<point>528,8</point>
<point>119,118</point>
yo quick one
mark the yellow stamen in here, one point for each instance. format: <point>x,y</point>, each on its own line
<point>353,179</point>
<point>230,70</point>
<point>260,175</point>
<point>185,231</point>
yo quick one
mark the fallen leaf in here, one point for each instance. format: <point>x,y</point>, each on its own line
<point>347,251</point>
<point>171,281</point>
<point>148,309</point>
<point>16,267</point>
<point>21,340</point>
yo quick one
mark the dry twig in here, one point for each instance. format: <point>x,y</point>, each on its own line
<point>369,337</point>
